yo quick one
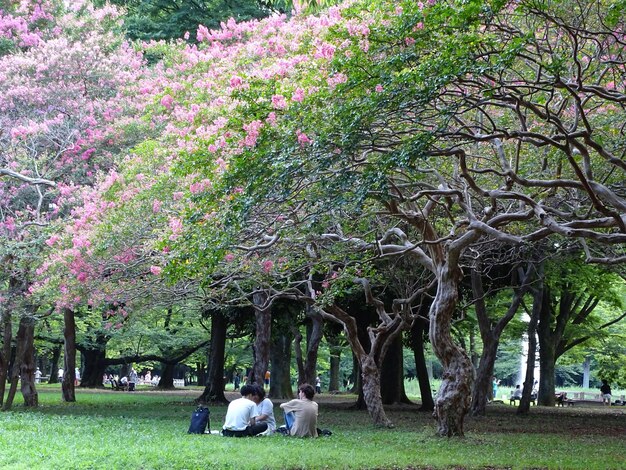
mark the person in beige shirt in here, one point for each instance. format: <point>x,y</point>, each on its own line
<point>304,410</point>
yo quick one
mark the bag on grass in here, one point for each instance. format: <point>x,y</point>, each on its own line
<point>199,420</point>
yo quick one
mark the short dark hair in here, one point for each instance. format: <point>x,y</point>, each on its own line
<point>258,391</point>
<point>247,390</point>
<point>308,391</point>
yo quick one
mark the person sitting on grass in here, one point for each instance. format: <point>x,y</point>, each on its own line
<point>304,410</point>
<point>241,416</point>
<point>265,409</point>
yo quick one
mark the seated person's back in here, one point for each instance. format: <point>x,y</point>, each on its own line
<point>305,411</point>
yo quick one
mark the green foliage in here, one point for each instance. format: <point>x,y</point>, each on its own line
<point>171,19</point>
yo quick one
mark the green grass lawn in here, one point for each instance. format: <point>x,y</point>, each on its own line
<point>148,430</point>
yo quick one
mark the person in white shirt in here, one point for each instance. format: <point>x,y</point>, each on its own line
<point>241,416</point>
<point>264,408</point>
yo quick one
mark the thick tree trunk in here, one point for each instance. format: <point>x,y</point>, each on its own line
<point>417,344</point>
<point>371,392</point>
<point>214,386</point>
<point>454,397</point>
<point>26,359</point>
<point>280,355</point>
<point>547,352</point>
<point>94,365</point>
<point>5,353</point>
<point>24,365</point>
<point>69,376</point>
<point>263,335</point>
<point>166,382</point>
<point>370,372</point>
<point>392,375</point>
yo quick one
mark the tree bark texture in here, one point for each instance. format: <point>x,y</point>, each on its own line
<point>214,386</point>
<point>418,331</point>
<point>24,365</point>
<point>315,332</point>
<point>166,382</point>
<point>54,364</point>
<point>334,346</point>
<point>370,372</point>
<point>524,404</point>
<point>491,331</point>
<point>392,375</point>
<point>94,365</point>
<point>263,336</point>
<point>69,376</point>
<point>548,339</point>
<point>283,315</point>
<point>280,356</point>
<point>5,352</point>
<point>454,396</point>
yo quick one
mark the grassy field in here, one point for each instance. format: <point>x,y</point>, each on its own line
<point>147,430</point>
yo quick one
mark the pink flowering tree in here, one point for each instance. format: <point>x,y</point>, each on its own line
<point>59,94</point>
<point>346,130</point>
<point>296,154</point>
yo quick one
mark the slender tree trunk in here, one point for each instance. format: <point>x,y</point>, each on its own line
<point>421,369</point>
<point>5,353</point>
<point>201,373</point>
<point>69,376</point>
<point>334,346</point>
<point>355,376</point>
<point>392,375</point>
<point>214,386</point>
<point>314,337</point>
<point>262,339</point>
<point>54,364</point>
<point>454,397</point>
<point>483,388</point>
<point>491,331</point>
<point>524,404</point>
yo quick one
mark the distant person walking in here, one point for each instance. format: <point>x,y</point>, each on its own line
<point>605,390</point>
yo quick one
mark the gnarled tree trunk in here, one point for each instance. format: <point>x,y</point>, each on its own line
<point>454,397</point>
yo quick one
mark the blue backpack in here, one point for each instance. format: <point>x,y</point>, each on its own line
<point>199,420</point>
